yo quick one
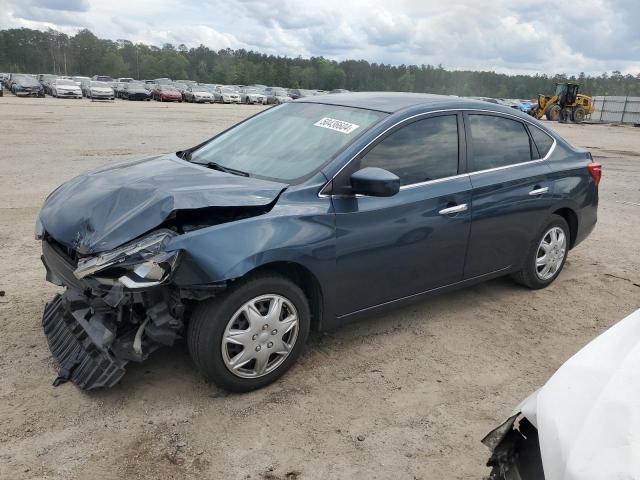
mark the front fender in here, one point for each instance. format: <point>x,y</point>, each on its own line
<point>296,232</point>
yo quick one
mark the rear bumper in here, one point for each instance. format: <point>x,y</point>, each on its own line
<point>80,359</point>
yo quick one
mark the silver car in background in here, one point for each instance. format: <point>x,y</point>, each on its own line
<point>250,95</point>
<point>100,91</point>
<point>198,94</point>
<point>225,94</point>
<point>65,88</point>
<point>277,95</point>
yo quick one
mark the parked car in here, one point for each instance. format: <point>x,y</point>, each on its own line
<point>125,79</point>
<point>304,216</point>
<point>100,91</point>
<point>198,94</point>
<point>226,94</point>
<point>296,93</point>
<point>118,88</point>
<point>166,93</point>
<point>276,96</point>
<point>47,82</point>
<point>80,80</point>
<point>250,95</point>
<point>27,86</point>
<point>63,87</point>
<point>84,86</point>
<point>581,425</point>
<point>526,106</point>
<point>103,78</point>
<point>136,91</point>
<point>181,87</point>
<point>339,90</point>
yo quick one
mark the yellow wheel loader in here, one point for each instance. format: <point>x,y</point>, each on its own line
<point>566,103</point>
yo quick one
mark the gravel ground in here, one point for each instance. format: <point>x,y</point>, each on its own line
<point>407,394</point>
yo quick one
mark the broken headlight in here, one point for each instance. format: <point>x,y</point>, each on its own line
<point>139,264</point>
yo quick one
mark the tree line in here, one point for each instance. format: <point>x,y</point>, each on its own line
<point>34,51</point>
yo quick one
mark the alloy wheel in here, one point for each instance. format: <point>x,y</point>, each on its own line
<point>260,336</point>
<point>551,253</point>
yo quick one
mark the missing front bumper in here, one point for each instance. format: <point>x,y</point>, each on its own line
<point>80,359</point>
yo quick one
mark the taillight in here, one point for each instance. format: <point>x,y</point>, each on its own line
<point>595,169</point>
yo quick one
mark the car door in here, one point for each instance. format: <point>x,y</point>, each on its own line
<point>393,247</point>
<point>512,192</point>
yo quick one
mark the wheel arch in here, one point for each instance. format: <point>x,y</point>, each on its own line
<point>304,278</point>
<point>571,217</point>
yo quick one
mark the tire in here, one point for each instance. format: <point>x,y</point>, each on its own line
<point>531,275</point>
<point>553,113</point>
<point>211,318</point>
<point>577,116</point>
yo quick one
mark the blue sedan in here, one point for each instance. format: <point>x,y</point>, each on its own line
<point>304,216</point>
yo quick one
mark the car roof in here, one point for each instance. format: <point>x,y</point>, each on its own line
<point>391,102</point>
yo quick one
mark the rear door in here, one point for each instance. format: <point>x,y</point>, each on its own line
<point>393,247</point>
<point>511,192</point>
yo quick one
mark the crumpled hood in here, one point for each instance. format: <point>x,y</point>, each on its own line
<point>102,210</point>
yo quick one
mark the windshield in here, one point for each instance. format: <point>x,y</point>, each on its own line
<point>132,85</point>
<point>279,92</point>
<point>250,90</point>
<point>227,90</point>
<point>100,84</point>
<point>289,142</point>
<point>65,82</point>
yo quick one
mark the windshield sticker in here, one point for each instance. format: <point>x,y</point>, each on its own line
<point>337,125</point>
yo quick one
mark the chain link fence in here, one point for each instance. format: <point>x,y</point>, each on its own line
<point>610,109</point>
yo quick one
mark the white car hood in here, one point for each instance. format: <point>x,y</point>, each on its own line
<point>588,413</point>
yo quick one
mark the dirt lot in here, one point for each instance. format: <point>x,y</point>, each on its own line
<point>405,395</point>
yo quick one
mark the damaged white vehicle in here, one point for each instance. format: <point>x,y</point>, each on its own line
<point>583,424</point>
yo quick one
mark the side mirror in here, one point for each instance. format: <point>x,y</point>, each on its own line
<point>375,182</point>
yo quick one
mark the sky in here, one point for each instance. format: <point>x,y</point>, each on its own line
<point>508,36</point>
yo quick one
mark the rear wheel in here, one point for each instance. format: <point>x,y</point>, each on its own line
<point>578,115</point>
<point>547,255</point>
<point>251,335</point>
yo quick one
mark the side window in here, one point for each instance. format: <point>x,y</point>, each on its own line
<point>542,140</point>
<point>421,151</point>
<point>498,142</point>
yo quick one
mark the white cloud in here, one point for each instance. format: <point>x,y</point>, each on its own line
<point>513,36</point>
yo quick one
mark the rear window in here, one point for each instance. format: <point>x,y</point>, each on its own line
<point>542,140</point>
<point>498,142</point>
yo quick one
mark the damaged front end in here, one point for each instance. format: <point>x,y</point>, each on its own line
<point>118,307</point>
<point>106,237</point>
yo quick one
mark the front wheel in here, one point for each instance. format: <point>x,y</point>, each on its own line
<point>547,255</point>
<point>251,335</point>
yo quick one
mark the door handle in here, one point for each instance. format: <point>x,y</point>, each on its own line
<point>455,209</point>
<point>538,191</point>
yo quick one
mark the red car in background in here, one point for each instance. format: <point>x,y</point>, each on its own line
<point>166,93</point>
